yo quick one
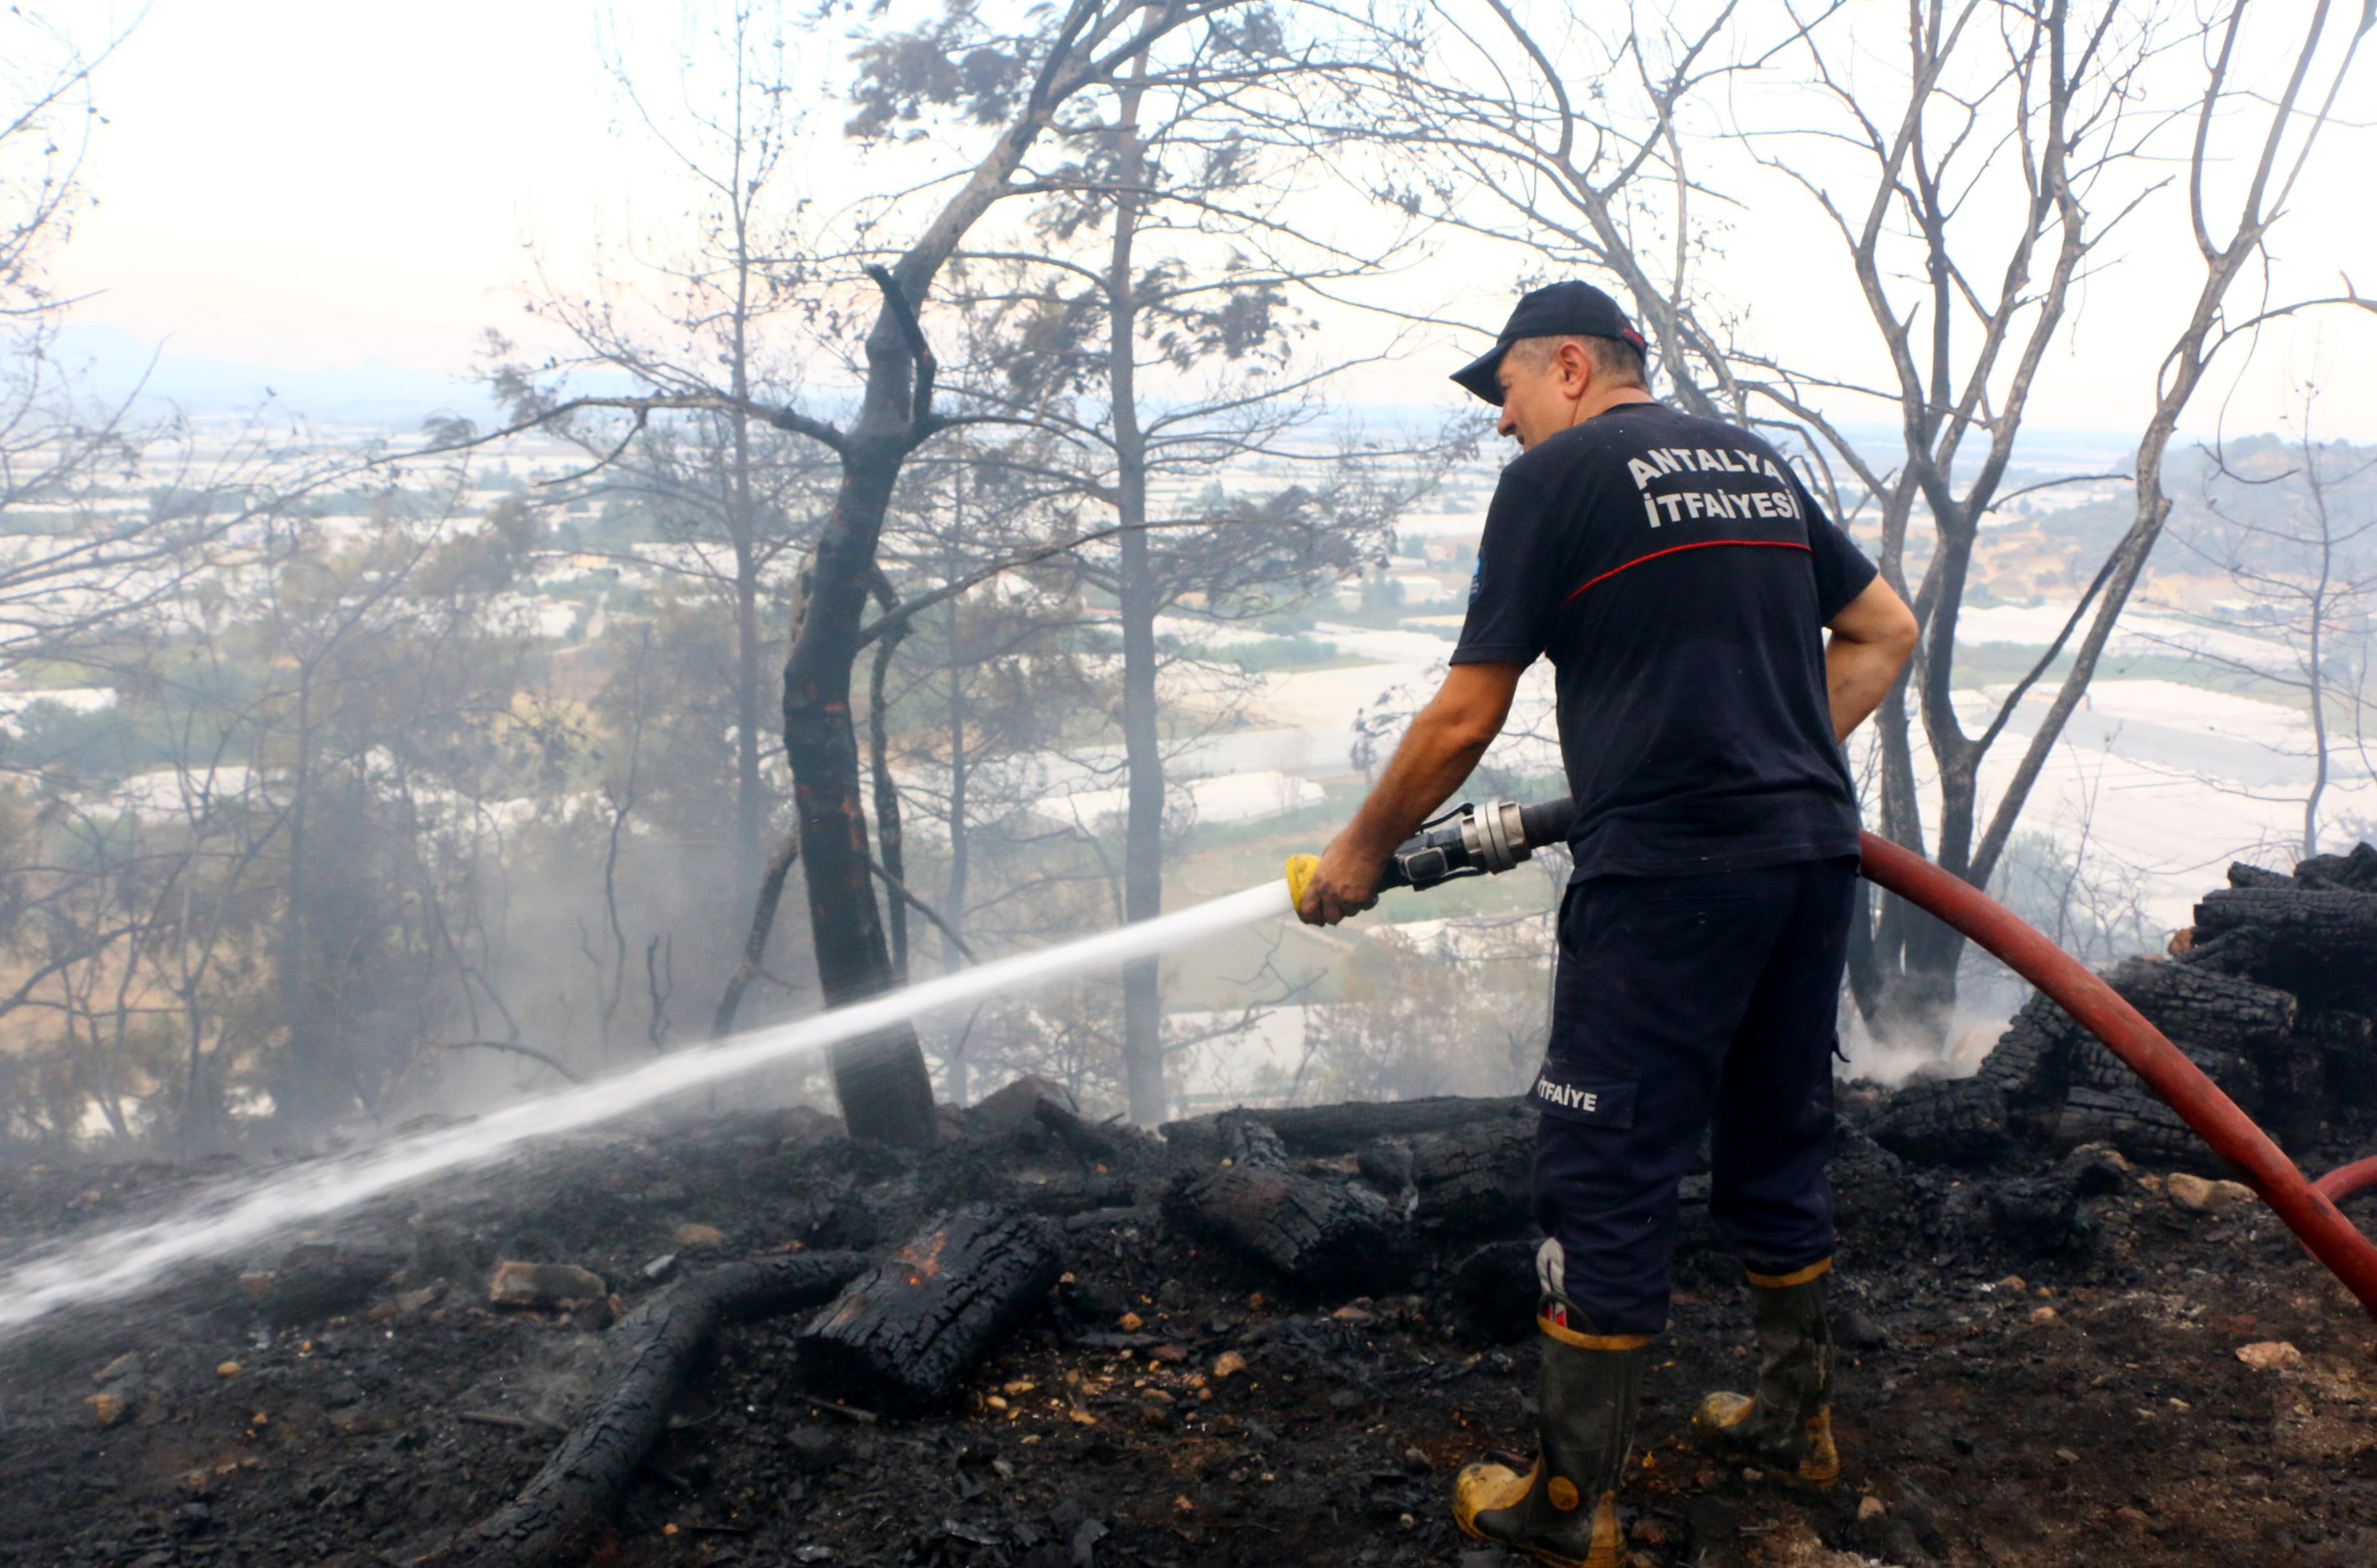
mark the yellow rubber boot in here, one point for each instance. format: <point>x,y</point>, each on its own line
<point>1564,1511</point>
<point>1785,1428</point>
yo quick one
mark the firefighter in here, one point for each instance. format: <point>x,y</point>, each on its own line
<point>1680,579</point>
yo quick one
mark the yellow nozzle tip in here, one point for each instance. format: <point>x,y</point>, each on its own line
<point>1299,876</point>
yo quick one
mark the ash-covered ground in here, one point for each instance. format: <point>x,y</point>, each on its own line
<point>1263,1338</point>
<point>2042,1366</point>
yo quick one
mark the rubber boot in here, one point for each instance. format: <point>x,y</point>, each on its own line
<point>1787,1427</point>
<point>1564,1511</point>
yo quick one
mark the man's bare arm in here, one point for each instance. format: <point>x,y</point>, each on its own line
<point>1445,741</point>
<point>1871,638</point>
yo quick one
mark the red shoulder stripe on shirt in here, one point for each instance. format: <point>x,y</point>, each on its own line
<point>1705,544</point>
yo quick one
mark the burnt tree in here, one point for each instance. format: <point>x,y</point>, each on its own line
<point>883,1087</point>
<point>1205,247</point>
<point>1024,84</point>
<point>881,1079</point>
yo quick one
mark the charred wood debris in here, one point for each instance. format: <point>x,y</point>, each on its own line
<point>2272,993</point>
<point>1258,1336</point>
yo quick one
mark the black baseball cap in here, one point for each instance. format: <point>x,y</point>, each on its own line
<point>1557,309</point>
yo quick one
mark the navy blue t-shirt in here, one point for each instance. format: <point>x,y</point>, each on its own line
<point>1678,575</point>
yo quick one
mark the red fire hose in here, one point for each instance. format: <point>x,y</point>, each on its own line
<point>2309,1211</point>
<point>2344,1181</point>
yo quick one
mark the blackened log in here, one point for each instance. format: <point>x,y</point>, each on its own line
<point>1075,1133</point>
<point>1068,1195</point>
<point>2202,1008</point>
<point>1329,1236</point>
<point>1475,1181</point>
<point>2197,1006</point>
<point>2055,1076</point>
<point>2347,1047</point>
<point>2239,1032</point>
<point>2048,1213</point>
<point>1387,1166</point>
<point>2247,954</point>
<point>1321,1131</point>
<point>647,1358</point>
<point>904,1332</point>
<point>2242,875</point>
<point>2030,1065</point>
<point>2041,1216</point>
<point>2094,1066</point>
<point>2134,1120</point>
<point>2321,923</point>
<point>2038,1060</point>
<point>1944,1121</point>
<point>1033,1106</point>
<point>2356,871</point>
<point>1010,1111</point>
<point>2318,942</point>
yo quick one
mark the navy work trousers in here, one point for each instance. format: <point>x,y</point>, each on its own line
<point>1682,1002</point>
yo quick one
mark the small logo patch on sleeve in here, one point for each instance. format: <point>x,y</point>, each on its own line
<point>1573,1098</point>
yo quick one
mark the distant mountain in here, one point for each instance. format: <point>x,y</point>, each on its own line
<point>114,363</point>
<point>2039,449</point>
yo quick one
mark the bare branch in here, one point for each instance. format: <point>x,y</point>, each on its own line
<point>513,1048</point>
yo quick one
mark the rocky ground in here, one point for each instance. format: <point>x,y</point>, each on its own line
<point>2059,1360</point>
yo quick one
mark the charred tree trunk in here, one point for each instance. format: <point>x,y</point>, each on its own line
<point>763,925</point>
<point>647,1358</point>
<point>314,1079</point>
<point>1142,753</point>
<point>903,1334</point>
<point>1894,966</point>
<point>750,799</point>
<point>887,791</point>
<point>881,1080</point>
<point>885,1089</point>
<point>954,1068</point>
<point>1143,835</point>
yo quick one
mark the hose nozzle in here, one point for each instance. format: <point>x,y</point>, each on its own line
<point>1468,841</point>
<point>1299,876</point>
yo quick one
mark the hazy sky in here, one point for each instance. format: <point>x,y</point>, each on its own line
<point>294,184</point>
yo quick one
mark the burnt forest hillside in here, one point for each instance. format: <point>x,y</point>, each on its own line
<point>1254,1338</point>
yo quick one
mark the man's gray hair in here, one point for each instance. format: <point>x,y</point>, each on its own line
<point>1614,357</point>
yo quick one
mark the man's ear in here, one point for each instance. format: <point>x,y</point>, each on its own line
<point>1576,368</point>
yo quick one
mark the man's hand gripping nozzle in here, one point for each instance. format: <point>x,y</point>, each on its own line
<point>1468,841</point>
